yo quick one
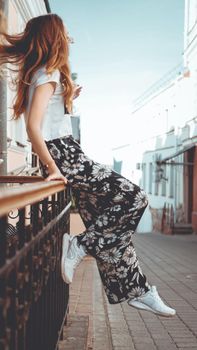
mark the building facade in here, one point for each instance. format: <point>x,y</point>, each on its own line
<point>164,142</point>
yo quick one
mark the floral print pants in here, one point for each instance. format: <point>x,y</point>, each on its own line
<point>110,207</point>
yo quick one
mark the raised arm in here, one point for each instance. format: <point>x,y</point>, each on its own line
<point>38,107</point>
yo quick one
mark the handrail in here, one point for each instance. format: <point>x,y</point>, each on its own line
<point>19,179</point>
<point>18,197</point>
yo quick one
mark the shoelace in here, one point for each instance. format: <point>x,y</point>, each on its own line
<point>77,261</point>
<point>77,256</point>
<point>156,295</point>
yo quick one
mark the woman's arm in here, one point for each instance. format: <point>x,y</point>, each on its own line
<point>38,107</point>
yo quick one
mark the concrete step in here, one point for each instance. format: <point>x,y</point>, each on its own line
<point>75,334</point>
<point>182,229</point>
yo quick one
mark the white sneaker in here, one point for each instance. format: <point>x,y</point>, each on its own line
<point>72,255</point>
<point>151,301</point>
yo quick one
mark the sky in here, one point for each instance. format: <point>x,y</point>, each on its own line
<point>120,49</point>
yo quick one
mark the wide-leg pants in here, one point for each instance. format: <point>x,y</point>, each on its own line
<point>110,207</point>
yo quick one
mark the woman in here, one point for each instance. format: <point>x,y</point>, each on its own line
<point>109,204</point>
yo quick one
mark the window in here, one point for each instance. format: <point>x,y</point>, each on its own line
<point>192,14</point>
<point>163,191</point>
<point>144,175</point>
<point>150,177</point>
<point>156,187</point>
<point>172,184</point>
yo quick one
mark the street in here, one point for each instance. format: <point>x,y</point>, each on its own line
<point>170,263</point>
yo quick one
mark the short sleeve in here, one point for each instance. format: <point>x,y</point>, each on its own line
<point>43,77</point>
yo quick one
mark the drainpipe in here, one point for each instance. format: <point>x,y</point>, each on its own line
<point>3,107</point>
<point>48,8</point>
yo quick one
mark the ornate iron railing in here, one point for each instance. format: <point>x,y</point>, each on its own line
<point>33,296</point>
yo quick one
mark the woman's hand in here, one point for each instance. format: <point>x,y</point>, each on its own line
<point>56,176</point>
<point>77,91</point>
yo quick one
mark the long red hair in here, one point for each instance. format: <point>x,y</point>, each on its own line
<point>44,41</point>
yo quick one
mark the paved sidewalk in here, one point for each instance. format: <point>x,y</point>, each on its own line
<point>170,263</point>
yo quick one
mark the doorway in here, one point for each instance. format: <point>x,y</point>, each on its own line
<point>189,184</point>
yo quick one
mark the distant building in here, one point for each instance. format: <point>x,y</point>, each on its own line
<point>167,146</point>
<point>122,157</point>
<point>117,165</point>
<point>75,122</point>
<point>72,125</point>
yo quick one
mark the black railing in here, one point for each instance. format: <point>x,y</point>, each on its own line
<point>33,296</point>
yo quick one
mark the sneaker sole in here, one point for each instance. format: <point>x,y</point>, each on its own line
<point>141,306</point>
<point>65,245</point>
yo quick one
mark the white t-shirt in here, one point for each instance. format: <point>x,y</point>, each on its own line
<point>55,123</point>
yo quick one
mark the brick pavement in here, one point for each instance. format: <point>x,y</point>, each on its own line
<point>170,263</point>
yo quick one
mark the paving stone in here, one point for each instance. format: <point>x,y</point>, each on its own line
<point>166,347</point>
<point>142,340</point>
<point>146,347</point>
<point>163,335</point>
<point>123,348</point>
<point>182,334</point>
<point>186,344</point>
<point>190,348</point>
<point>124,341</point>
<point>141,333</point>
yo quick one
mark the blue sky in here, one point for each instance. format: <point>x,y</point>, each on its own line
<point>120,49</point>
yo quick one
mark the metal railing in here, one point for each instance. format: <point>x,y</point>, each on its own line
<point>33,296</point>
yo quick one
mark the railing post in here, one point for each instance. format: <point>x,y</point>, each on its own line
<point>3,245</point>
